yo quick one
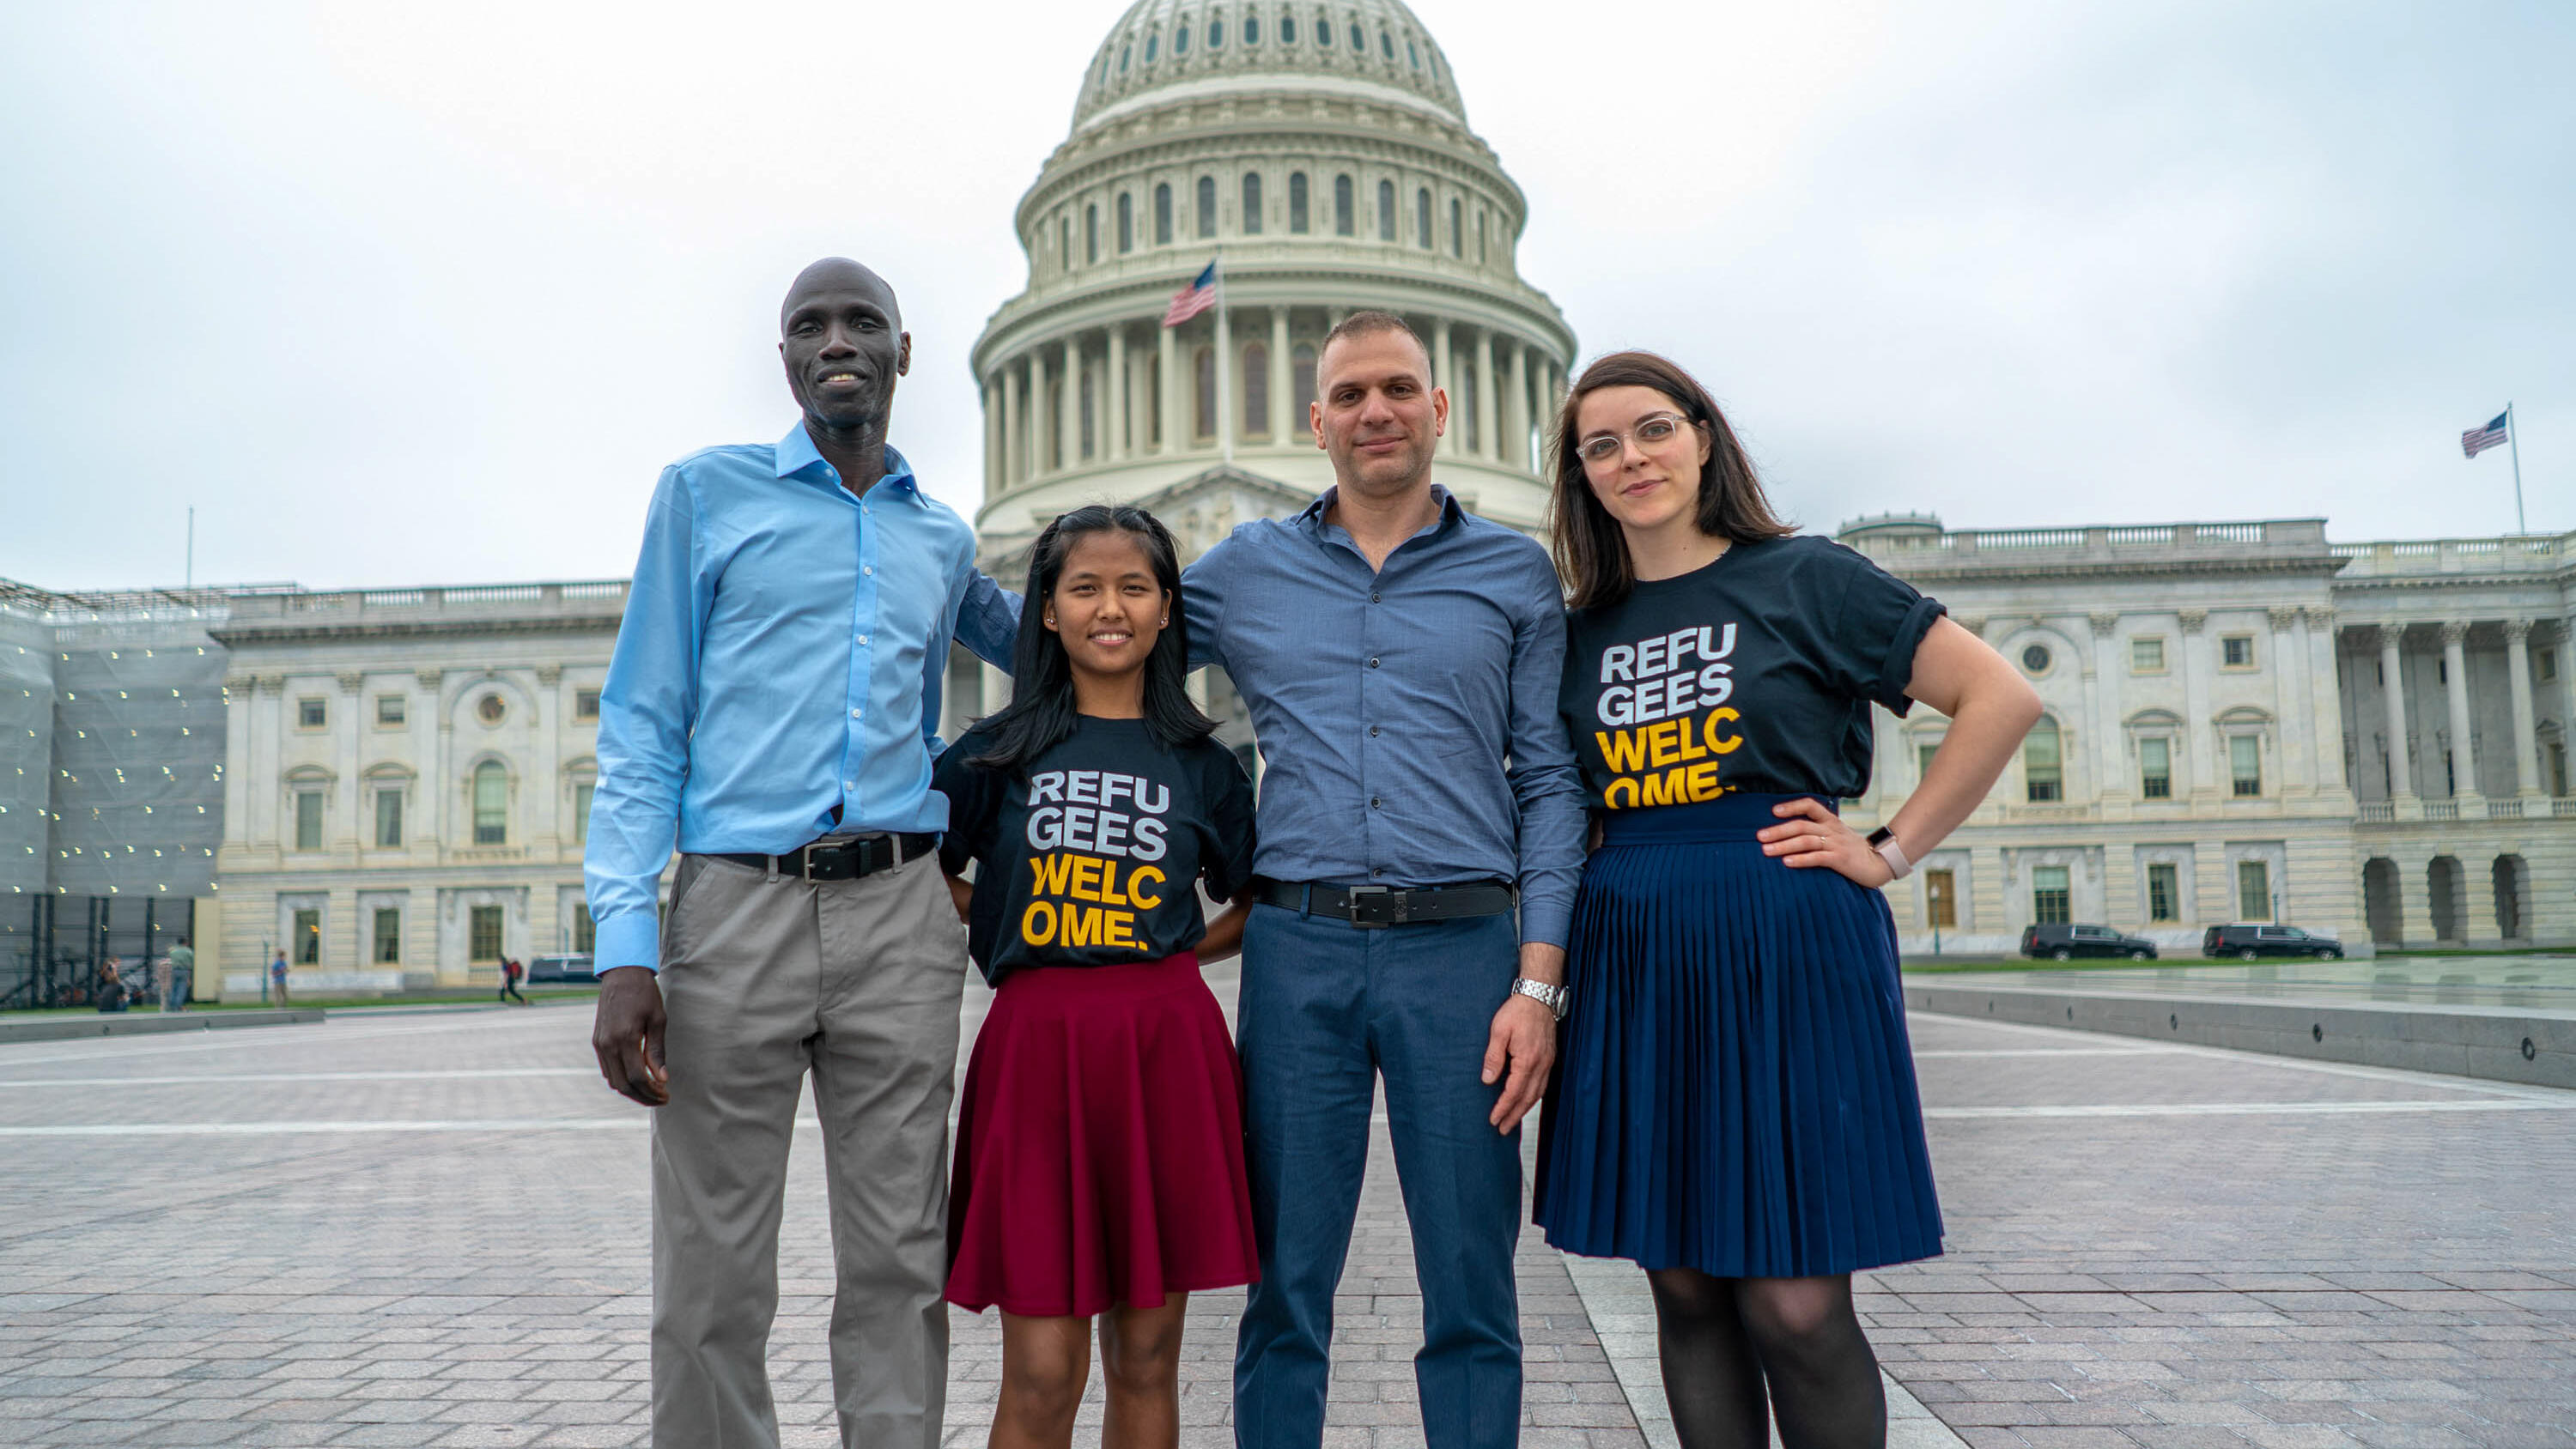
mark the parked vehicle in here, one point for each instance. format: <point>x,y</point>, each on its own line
<point>2248,942</point>
<point>559,970</point>
<point>2066,942</point>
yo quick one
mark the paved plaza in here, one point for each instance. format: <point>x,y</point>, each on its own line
<point>430,1229</point>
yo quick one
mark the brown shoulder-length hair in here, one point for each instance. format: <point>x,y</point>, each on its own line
<point>1591,552</point>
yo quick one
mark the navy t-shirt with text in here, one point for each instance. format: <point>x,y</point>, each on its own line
<point>1091,854</point>
<point>1754,672</point>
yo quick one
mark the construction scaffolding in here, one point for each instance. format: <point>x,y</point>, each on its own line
<point>111,780</point>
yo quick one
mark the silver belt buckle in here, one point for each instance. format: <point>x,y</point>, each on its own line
<point>1361,899</point>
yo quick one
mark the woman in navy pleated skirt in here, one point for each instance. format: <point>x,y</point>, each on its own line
<point>1734,1106</point>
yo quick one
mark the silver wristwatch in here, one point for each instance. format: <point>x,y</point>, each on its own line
<point>1551,997</point>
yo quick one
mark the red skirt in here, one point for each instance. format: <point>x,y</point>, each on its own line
<point>1099,1145</point>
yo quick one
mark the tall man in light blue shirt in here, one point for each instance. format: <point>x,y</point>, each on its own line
<point>771,708</point>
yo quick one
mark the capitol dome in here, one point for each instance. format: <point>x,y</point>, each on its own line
<point>1320,152</point>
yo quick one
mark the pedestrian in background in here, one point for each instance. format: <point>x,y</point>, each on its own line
<point>180,977</point>
<point>277,977</point>
<point>511,971</point>
<point>111,986</point>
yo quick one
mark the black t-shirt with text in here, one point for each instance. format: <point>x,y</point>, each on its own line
<point>1091,853</point>
<point>1754,673</point>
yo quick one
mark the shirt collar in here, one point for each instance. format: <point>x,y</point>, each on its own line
<point>796,453</point>
<point>1312,519</point>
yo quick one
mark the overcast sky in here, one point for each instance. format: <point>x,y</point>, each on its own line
<point>427,294</point>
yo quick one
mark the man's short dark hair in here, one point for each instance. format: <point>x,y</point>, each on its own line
<point>1369,324</point>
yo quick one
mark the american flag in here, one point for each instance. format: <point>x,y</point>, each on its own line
<point>1193,299</point>
<point>2478,440</point>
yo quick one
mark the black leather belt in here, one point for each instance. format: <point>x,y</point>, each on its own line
<point>1377,907</point>
<point>843,859</point>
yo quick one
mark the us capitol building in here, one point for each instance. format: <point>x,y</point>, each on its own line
<point>2246,720</point>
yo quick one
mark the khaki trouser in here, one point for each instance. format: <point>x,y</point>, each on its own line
<point>764,978</point>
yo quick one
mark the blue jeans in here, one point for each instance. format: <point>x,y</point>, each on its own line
<point>1325,1008</point>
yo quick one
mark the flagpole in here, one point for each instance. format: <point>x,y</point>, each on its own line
<point>2513,444</point>
<point>1224,389</point>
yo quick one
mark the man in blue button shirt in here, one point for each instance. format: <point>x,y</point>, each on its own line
<point>771,708</point>
<point>1401,661</point>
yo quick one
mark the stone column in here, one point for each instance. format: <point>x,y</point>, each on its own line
<point>2111,779</point>
<point>2392,692</point>
<point>2298,737</point>
<point>1283,379</point>
<point>992,437</point>
<point>545,773</point>
<point>1173,431</point>
<point>1042,412</point>
<point>1444,375</point>
<point>2526,727</point>
<point>1115,404</point>
<point>1516,417</point>
<point>1227,365</point>
<point>1068,406</point>
<point>351,816</point>
<point>997,687</point>
<point>1014,429</point>
<point>1489,401</point>
<point>2455,667</point>
<point>2325,701</point>
<point>2195,693</point>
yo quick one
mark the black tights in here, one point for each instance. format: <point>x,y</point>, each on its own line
<point>1731,1345</point>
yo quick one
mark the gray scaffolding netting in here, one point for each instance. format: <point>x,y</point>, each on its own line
<point>111,774</point>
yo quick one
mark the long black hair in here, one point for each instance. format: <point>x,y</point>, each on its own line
<point>1041,712</point>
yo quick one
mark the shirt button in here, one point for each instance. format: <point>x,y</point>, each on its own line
<point>1372,658</point>
<point>863,639</point>
<point>1375,873</point>
<point>1372,731</point>
<point>854,714</point>
<point>1373,803</point>
<point>868,572</point>
<point>849,784</point>
<point>1372,596</point>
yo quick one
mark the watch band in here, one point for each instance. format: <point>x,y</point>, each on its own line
<point>1551,997</point>
<point>1883,840</point>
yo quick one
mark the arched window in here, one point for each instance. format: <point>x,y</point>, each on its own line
<point>1151,40</point>
<point>1256,390</point>
<point>2043,769</point>
<point>1297,202</point>
<point>1342,206</point>
<point>1126,223</point>
<point>1480,236</point>
<point>1323,30</point>
<point>1385,43</point>
<point>1301,367</point>
<point>1163,214</point>
<point>1287,30</point>
<point>491,804</point>
<point>1125,53</point>
<point>1386,211</point>
<point>1359,42</point>
<point>1091,233</point>
<point>1181,41</point>
<point>1412,54</point>
<point>1064,242</point>
<point>1207,207</point>
<point>1457,230</point>
<point>1216,32</point>
<point>1252,203</point>
<point>1422,218</point>
<point>1203,370</point>
<point>1252,30</point>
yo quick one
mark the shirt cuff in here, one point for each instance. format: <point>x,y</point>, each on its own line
<point>1546,922</point>
<point>629,938</point>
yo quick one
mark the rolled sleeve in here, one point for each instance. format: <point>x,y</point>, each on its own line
<point>1546,786</point>
<point>646,710</point>
<point>988,620</point>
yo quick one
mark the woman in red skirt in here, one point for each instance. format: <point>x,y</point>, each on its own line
<point>1100,1136</point>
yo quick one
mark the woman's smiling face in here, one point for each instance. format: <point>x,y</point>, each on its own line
<point>1107,606</point>
<point>1642,455</point>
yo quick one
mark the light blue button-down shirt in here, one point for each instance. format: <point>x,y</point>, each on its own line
<point>777,674</point>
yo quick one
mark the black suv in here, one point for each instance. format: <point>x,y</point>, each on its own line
<point>2065,943</point>
<point>573,970</point>
<point>2248,942</point>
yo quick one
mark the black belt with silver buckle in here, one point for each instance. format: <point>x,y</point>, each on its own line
<point>843,859</point>
<point>1377,907</point>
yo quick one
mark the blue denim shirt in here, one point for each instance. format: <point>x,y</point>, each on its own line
<point>780,661</point>
<point>1407,716</point>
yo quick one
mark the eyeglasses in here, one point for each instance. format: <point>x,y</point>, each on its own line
<point>1649,433</point>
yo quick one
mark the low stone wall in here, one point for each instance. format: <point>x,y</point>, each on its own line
<point>2503,1044</point>
<point>68,1026</point>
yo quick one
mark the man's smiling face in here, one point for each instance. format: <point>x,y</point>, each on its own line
<point>842,340</point>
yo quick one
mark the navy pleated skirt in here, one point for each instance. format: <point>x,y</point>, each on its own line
<point>1734,1091</point>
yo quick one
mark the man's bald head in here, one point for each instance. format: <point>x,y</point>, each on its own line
<point>839,274</point>
<point>841,337</point>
